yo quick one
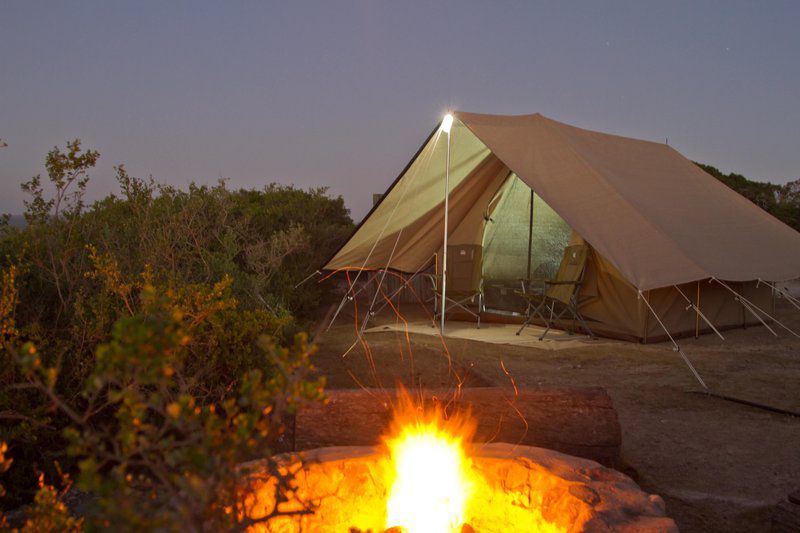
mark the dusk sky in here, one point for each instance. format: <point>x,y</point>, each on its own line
<point>341,94</point>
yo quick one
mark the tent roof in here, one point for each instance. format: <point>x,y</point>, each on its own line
<point>656,216</point>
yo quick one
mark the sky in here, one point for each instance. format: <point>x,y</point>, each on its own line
<point>341,94</point>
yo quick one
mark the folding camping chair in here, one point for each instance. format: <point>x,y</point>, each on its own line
<point>464,282</point>
<point>560,295</point>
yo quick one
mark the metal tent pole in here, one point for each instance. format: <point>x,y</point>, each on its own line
<point>791,299</point>
<point>530,238</point>
<point>699,313</point>
<point>750,306</point>
<point>675,345</point>
<point>446,124</point>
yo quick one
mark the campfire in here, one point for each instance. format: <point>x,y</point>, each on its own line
<point>427,476</point>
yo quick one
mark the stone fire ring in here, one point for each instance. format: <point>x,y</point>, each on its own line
<point>527,489</point>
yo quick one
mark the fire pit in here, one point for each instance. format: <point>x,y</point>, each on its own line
<point>428,476</point>
<point>523,489</point>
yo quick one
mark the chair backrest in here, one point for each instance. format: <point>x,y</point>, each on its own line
<point>464,268</point>
<point>571,269</point>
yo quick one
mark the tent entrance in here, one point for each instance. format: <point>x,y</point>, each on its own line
<point>523,239</point>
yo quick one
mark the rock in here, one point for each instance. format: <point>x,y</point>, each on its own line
<point>520,488</point>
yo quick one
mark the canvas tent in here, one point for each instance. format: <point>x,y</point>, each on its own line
<point>663,233</point>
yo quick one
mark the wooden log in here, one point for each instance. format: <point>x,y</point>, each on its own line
<point>581,422</point>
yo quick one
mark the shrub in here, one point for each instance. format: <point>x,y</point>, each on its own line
<point>150,317</point>
<point>157,430</point>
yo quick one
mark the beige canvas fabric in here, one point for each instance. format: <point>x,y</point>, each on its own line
<point>404,231</point>
<point>649,212</point>
<point>612,306</point>
<point>653,214</point>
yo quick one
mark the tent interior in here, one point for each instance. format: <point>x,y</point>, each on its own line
<point>523,209</point>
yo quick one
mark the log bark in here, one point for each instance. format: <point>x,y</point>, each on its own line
<point>580,422</point>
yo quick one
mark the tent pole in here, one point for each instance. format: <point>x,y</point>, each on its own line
<point>444,251</point>
<point>746,307</point>
<point>406,283</point>
<point>315,273</point>
<point>791,299</point>
<point>370,313</point>
<point>348,296</point>
<point>677,348</point>
<point>750,306</point>
<point>699,314</point>
<point>530,238</point>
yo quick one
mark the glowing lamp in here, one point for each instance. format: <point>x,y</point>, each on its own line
<point>447,123</point>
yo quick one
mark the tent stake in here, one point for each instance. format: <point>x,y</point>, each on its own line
<point>677,348</point>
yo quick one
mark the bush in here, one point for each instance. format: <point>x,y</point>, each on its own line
<point>157,432</point>
<point>148,324</point>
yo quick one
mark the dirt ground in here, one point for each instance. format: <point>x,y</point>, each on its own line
<point>720,466</point>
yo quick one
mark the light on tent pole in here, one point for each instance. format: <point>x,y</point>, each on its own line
<point>447,123</point>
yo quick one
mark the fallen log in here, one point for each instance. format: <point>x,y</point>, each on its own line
<point>580,422</point>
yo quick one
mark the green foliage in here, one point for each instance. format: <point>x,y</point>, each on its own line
<point>158,429</point>
<point>139,337</point>
<point>781,201</point>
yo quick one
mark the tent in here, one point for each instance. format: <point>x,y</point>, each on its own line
<point>673,251</point>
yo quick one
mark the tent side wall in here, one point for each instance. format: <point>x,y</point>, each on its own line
<point>615,310</point>
<point>717,304</point>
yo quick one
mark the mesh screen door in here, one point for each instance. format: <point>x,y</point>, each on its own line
<point>506,243</point>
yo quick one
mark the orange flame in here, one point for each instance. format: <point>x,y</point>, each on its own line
<point>430,478</point>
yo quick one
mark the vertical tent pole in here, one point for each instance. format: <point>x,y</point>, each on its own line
<point>697,315</point>
<point>698,312</point>
<point>446,124</point>
<point>530,238</point>
<point>750,306</point>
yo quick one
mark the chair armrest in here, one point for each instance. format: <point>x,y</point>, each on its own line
<point>527,283</point>
<point>531,297</point>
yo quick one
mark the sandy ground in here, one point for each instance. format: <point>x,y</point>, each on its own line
<point>720,466</point>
